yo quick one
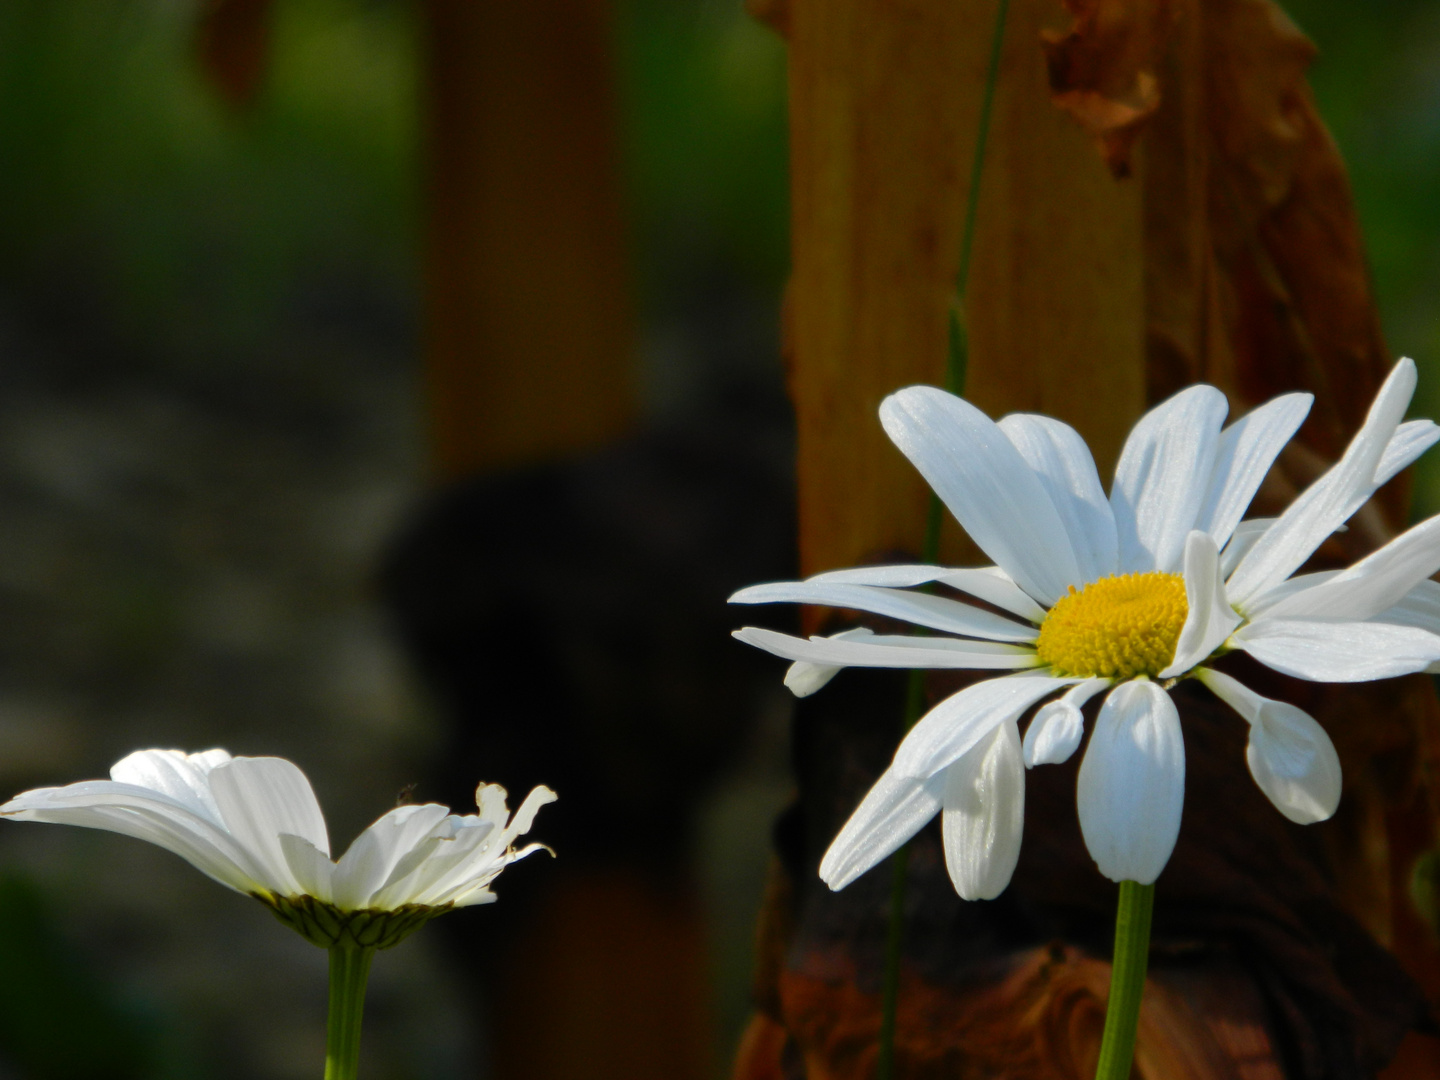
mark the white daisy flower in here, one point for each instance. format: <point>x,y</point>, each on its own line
<point>253,824</point>
<point>1124,595</point>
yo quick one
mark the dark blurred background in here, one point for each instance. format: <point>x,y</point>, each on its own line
<point>251,258</point>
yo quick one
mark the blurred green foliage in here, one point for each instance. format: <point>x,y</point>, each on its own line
<point>58,1021</point>
<point>1377,80</point>
<point>133,197</point>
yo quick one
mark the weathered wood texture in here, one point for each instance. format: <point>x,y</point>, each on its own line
<point>885,99</point>
<point>528,310</point>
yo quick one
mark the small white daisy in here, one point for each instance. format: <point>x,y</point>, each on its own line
<point>1127,594</point>
<point>253,824</point>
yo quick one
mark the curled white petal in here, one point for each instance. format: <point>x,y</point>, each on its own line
<point>1210,618</point>
<point>984,815</point>
<point>1131,788</point>
<point>1290,756</point>
<point>1059,725</point>
<point>803,678</point>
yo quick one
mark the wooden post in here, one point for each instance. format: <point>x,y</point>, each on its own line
<point>885,100</point>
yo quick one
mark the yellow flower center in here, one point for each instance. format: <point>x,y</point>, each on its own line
<point>1118,627</point>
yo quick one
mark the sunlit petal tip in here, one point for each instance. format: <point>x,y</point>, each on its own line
<point>804,678</point>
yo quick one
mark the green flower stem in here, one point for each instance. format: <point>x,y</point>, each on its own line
<point>349,969</point>
<point>1127,980</point>
<point>957,362</point>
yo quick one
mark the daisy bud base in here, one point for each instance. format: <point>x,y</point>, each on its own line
<point>330,927</point>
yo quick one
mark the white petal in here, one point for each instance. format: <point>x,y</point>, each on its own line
<point>987,485</point>
<point>183,777</point>
<point>1241,541</point>
<point>312,869</point>
<point>988,583</point>
<point>803,678</point>
<point>1327,503</point>
<point>1290,756</point>
<point>146,815</point>
<point>1061,459</point>
<point>260,798</point>
<point>1245,453</point>
<point>1131,788</point>
<point>524,817</point>
<point>936,612</point>
<point>1411,439</point>
<point>1420,607</point>
<point>892,651</point>
<point>369,861</point>
<point>893,811</point>
<point>1162,477</point>
<point>959,722</point>
<point>1210,618</point>
<point>1059,725</point>
<point>984,815</point>
<point>1260,606</point>
<point>1380,580</point>
<point>1338,651</point>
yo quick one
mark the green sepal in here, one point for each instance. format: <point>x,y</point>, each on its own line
<point>331,927</point>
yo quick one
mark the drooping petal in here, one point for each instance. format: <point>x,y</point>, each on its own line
<point>1326,504</point>
<point>987,485</point>
<point>884,650</point>
<point>1241,541</point>
<point>1290,755</point>
<point>988,583</point>
<point>1334,651</point>
<point>1059,725</point>
<point>1411,439</point>
<point>894,810</point>
<point>1131,788</point>
<point>260,798</point>
<point>936,612</point>
<point>1210,618</point>
<point>958,723</point>
<point>984,815</point>
<point>1063,463</point>
<point>803,678</point>
<point>1161,478</point>
<point>1246,450</point>
<point>1378,581</point>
